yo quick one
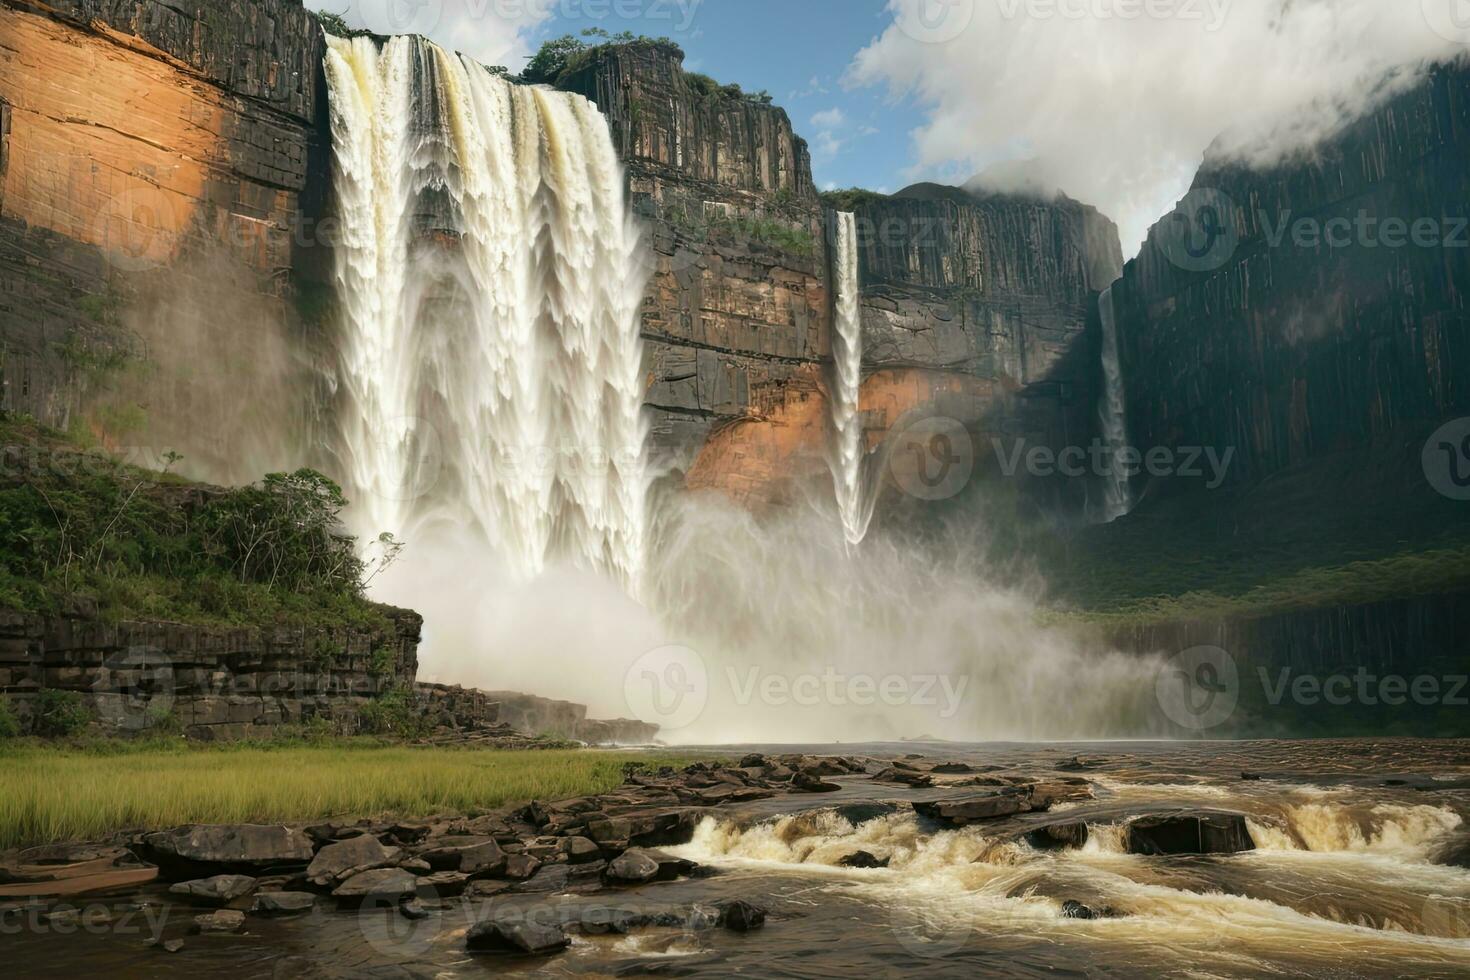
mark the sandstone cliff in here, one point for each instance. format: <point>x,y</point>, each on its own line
<point>135,135</point>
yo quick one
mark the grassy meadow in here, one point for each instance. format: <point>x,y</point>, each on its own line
<point>62,793</point>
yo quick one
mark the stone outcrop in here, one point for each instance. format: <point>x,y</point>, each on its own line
<point>1310,320</point>
<point>213,682</point>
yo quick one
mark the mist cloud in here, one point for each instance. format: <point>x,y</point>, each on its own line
<point>1116,101</point>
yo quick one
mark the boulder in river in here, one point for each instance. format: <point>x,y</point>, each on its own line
<point>632,867</point>
<point>337,862</point>
<point>863,859</point>
<point>383,883</point>
<point>1058,836</point>
<point>225,920</point>
<point>742,916</point>
<point>283,903</point>
<point>516,936</point>
<point>1200,832</point>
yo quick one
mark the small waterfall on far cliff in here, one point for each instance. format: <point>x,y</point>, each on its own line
<point>845,456</point>
<point>489,366</point>
<point>1117,495</point>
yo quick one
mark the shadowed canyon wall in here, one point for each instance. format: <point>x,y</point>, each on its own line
<point>1304,322</point>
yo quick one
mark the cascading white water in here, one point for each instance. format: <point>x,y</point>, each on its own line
<point>488,271</point>
<point>845,455</point>
<point>1117,494</point>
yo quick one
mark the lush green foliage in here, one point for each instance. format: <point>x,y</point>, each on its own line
<point>850,198</point>
<point>392,713</point>
<point>56,793</point>
<point>60,714</point>
<point>140,543</point>
<point>9,725</point>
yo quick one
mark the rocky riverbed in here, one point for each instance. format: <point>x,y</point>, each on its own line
<point>1239,859</point>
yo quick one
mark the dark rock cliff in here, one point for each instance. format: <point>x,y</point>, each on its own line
<point>1311,320</point>
<point>988,303</point>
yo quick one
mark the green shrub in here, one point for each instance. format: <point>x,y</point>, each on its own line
<point>394,712</point>
<point>61,714</point>
<point>163,721</point>
<point>383,662</point>
<point>9,724</point>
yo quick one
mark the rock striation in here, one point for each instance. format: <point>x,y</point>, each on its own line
<point>1324,305</point>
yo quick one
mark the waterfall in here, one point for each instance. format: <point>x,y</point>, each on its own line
<point>489,375</point>
<point>845,457</point>
<point>1117,495</point>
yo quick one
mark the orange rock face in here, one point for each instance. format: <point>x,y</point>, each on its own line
<point>756,460</point>
<point>115,144</point>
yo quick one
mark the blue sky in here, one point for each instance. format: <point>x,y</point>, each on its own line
<point>800,51</point>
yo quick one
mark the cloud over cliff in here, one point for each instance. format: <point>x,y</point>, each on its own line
<point>491,31</point>
<point>1116,101</point>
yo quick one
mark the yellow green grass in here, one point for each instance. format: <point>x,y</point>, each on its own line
<point>50,794</point>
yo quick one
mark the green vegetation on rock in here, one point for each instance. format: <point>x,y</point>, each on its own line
<point>148,545</point>
<point>850,199</point>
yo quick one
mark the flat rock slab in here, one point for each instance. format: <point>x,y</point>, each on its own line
<point>283,903</point>
<point>231,846</point>
<point>219,890</point>
<point>223,921</point>
<point>384,883</point>
<point>632,868</point>
<point>101,883</point>
<point>963,810</point>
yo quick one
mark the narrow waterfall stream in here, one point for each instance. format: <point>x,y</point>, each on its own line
<point>490,360</point>
<point>1117,494</point>
<point>845,455</point>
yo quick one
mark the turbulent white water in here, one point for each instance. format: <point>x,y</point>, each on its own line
<point>490,359</point>
<point>1117,495</point>
<point>845,455</point>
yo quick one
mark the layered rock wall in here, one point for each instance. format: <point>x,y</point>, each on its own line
<point>213,682</point>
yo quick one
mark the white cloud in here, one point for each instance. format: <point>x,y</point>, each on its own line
<point>833,118</point>
<point>1119,112</point>
<point>495,32</point>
